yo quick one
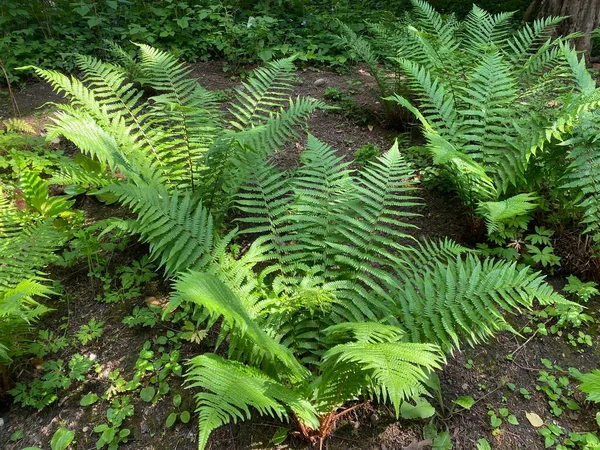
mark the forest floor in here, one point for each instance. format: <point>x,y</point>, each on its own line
<point>496,382</point>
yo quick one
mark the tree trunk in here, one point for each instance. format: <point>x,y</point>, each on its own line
<point>584,16</point>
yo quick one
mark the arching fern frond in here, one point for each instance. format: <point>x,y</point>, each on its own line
<point>233,388</point>
<point>398,370</point>
<point>463,300</point>
<point>209,292</point>
<point>266,91</point>
<point>179,229</point>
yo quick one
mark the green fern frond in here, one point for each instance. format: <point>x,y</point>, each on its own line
<point>363,332</point>
<point>27,253</point>
<point>583,174</point>
<point>398,370</point>
<point>266,91</point>
<point>179,229</point>
<point>209,292</point>
<point>14,124</point>
<point>464,300</point>
<point>433,23</point>
<point>524,41</point>
<point>484,29</point>
<point>590,385</point>
<point>233,388</point>
<point>496,213</point>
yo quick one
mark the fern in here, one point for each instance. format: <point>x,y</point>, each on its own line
<point>482,93</point>
<point>346,304</point>
<point>26,251</point>
<point>496,213</point>
<point>177,137</point>
<point>590,385</point>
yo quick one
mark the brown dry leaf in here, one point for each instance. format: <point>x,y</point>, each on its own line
<point>299,146</point>
<point>370,127</point>
<point>157,302</point>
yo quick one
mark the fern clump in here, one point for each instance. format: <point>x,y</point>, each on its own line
<point>26,249</point>
<point>493,102</point>
<point>336,301</point>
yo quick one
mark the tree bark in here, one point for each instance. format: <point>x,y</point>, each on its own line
<point>584,16</point>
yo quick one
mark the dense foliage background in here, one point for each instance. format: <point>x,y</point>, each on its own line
<point>46,32</point>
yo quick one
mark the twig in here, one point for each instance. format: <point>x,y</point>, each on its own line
<point>520,347</point>
<point>13,100</point>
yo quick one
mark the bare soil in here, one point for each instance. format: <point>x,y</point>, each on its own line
<point>370,427</point>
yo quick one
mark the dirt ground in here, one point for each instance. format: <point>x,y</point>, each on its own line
<point>482,372</point>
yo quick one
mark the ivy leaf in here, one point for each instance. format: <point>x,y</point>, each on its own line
<point>421,410</point>
<point>280,436</point>
<point>17,435</point>
<point>183,22</point>
<point>512,419</point>
<point>177,400</point>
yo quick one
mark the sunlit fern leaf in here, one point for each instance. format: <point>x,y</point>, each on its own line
<point>435,101</point>
<point>266,91</point>
<point>276,129</point>
<point>209,292</point>
<point>324,193</point>
<point>81,129</point>
<point>590,385</point>
<point>363,332</point>
<point>233,388</point>
<point>264,201</point>
<point>434,23</point>
<point>379,217</point>
<point>496,213</point>
<point>128,64</point>
<point>464,300</point>
<point>484,29</point>
<point>27,252</point>
<point>470,178</point>
<point>19,311</point>
<point>179,229</point>
<point>14,124</point>
<point>398,370</point>
<point>188,113</point>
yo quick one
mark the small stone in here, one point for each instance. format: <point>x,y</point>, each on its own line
<point>85,429</point>
<point>374,419</point>
<point>465,387</point>
<point>1,422</point>
<point>320,82</point>
<point>55,141</point>
<point>93,357</point>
